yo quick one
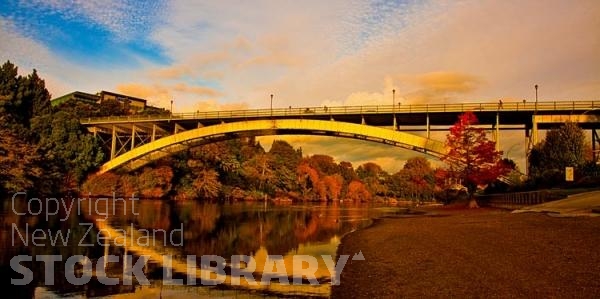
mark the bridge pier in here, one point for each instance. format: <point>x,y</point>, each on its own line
<point>113,144</point>
<point>595,142</point>
<point>497,131</point>
<point>132,137</point>
<point>428,127</point>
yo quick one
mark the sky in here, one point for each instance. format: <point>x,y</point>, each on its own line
<point>214,55</point>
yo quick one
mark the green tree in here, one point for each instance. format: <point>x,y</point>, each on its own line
<point>18,162</point>
<point>285,161</point>
<point>22,98</point>
<point>562,147</point>
<point>69,151</point>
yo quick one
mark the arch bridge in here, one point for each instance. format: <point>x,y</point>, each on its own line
<point>136,140</point>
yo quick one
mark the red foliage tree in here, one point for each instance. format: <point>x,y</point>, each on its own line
<point>472,157</point>
<point>357,191</point>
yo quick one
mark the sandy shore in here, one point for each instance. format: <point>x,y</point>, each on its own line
<point>474,253</point>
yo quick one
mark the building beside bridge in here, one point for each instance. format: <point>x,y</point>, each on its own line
<point>134,104</point>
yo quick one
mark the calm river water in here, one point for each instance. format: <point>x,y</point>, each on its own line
<point>97,228</point>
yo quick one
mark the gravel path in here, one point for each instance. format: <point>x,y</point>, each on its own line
<point>474,253</point>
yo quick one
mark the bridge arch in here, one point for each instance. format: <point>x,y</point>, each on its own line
<point>168,145</point>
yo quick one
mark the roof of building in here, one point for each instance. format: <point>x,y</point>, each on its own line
<point>122,95</point>
<point>76,94</point>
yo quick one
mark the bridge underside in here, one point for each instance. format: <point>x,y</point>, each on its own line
<point>140,147</point>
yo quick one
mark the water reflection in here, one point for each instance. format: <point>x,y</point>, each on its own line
<point>253,229</point>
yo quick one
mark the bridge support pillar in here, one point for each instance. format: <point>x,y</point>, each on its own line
<point>497,131</point>
<point>595,143</point>
<point>113,145</point>
<point>534,131</point>
<point>153,137</point>
<point>178,128</point>
<point>362,120</point>
<point>132,137</point>
<point>428,127</point>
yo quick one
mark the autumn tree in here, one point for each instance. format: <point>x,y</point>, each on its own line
<point>472,157</point>
<point>324,164</point>
<point>309,180</point>
<point>333,186</point>
<point>357,191</point>
<point>373,176</point>
<point>415,179</point>
<point>156,182</point>
<point>207,184</point>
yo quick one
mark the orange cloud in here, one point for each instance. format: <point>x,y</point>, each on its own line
<point>161,95</point>
<point>193,66</point>
<point>143,91</point>
<point>198,90</point>
<point>446,82</point>
<point>212,105</point>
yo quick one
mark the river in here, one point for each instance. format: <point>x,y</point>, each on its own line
<point>127,229</point>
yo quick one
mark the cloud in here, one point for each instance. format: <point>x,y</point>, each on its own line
<point>156,95</point>
<point>213,105</point>
<point>125,19</point>
<point>197,90</point>
<point>446,82</point>
<point>194,66</point>
<point>439,86</point>
<point>161,95</point>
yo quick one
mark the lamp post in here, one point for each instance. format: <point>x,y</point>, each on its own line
<point>171,111</point>
<point>271,105</point>
<point>394,107</point>
<point>536,97</point>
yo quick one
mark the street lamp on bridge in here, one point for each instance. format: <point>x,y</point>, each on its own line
<point>271,105</point>
<point>394,107</point>
<point>536,97</point>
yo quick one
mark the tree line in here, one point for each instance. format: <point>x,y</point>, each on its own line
<point>241,169</point>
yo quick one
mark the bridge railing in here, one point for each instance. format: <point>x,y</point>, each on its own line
<point>372,109</point>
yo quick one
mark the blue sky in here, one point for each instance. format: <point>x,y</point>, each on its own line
<point>209,55</point>
<point>87,38</point>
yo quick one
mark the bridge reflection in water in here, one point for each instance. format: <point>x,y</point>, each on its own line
<point>248,229</point>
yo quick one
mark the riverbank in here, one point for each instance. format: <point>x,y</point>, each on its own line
<point>473,253</point>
